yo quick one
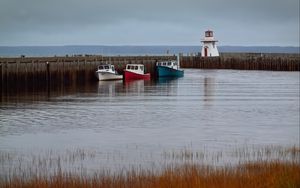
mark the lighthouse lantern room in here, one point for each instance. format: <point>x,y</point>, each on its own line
<point>209,47</point>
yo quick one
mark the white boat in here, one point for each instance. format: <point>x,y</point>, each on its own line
<point>107,72</point>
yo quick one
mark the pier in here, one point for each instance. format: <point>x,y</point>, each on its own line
<point>244,61</point>
<point>43,72</point>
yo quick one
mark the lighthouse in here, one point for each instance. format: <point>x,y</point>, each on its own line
<point>209,47</point>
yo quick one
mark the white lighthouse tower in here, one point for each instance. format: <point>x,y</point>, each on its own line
<point>209,47</point>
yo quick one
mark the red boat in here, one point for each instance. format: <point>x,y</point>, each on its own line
<point>135,72</point>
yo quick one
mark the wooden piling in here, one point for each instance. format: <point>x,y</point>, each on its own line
<point>272,62</point>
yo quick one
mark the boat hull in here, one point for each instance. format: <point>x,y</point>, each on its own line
<point>134,76</point>
<point>163,71</point>
<point>102,76</point>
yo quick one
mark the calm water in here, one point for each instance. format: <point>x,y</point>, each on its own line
<point>135,122</point>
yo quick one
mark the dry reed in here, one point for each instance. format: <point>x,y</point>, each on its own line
<point>257,174</point>
<point>267,169</point>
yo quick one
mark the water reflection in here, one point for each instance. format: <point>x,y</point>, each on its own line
<point>167,85</point>
<point>110,88</point>
<point>209,90</point>
<point>34,93</point>
<point>29,94</point>
<point>135,87</point>
<point>162,80</point>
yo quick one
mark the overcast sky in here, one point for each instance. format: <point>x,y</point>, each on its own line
<point>148,22</point>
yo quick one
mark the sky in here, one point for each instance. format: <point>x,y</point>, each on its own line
<point>148,22</point>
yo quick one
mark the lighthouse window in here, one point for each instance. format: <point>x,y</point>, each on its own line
<point>208,34</point>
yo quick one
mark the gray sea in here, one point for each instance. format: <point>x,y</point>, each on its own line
<point>17,51</point>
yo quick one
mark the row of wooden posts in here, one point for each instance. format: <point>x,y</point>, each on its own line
<point>258,63</point>
<point>44,71</point>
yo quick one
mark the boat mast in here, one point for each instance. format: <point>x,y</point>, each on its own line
<point>178,60</point>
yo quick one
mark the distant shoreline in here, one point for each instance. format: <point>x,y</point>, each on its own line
<point>40,51</point>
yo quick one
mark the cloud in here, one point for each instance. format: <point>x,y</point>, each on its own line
<point>20,20</point>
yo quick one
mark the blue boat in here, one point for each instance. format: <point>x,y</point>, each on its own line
<point>169,69</point>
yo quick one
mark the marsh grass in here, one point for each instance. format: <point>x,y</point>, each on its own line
<point>256,167</point>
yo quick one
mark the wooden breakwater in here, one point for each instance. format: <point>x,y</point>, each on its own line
<point>42,72</point>
<point>244,61</point>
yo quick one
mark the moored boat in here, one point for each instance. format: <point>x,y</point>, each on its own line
<point>135,72</point>
<point>169,69</point>
<point>107,72</point>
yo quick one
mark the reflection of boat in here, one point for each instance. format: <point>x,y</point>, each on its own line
<point>169,69</point>
<point>135,72</point>
<point>167,85</point>
<point>110,87</point>
<point>108,72</point>
<point>133,87</point>
<point>161,80</point>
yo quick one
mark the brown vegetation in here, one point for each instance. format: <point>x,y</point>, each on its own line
<point>258,174</point>
<point>275,167</point>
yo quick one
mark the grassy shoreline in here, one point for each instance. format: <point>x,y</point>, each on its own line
<point>257,174</point>
<point>281,170</point>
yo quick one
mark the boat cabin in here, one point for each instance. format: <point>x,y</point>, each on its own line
<point>170,64</point>
<point>136,68</point>
<point>106,68</point>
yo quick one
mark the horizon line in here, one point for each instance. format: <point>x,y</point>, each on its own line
<point>159,45</point>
